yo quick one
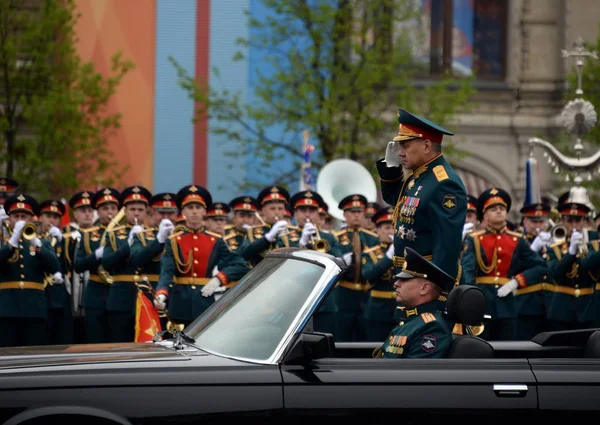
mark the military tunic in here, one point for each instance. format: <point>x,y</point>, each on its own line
<point>431,206</point>
<point>256,246</point>
<point>590,265</point>
<point>425,333</point>
<point>187,265</point>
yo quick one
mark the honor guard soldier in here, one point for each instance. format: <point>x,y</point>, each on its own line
<point>83,213</point>
<point>370,210</point>
<point>351,292</point>
<point>24,263</point>
<point>244,216</point>
<point>122,295</point>
<point>572,297</point>
<point>217,215</point>
<point>306,212</point>
<point>187,279</point>
<point>377,270</point>
<point>89,259</point>
<point>265,236</point>
<point>425,333</point>
<point>431,202</point>
<point>163,205</point>
<point>60,316</point>
<point>501,263</point>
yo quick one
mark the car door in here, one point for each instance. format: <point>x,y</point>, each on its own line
<point>411,390</point>
<point>568,388</point>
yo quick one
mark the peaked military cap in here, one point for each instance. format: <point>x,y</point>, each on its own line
<point>218,210</point>
<point>415,127</point>
<point>193,194</point>
<point>135,194</point>
<point>52,207</point>
<point>81,199</point>
<point>565,207</point>
<point>7,185</point>
<point>106,196</point>
<point>273,194</point>
<point>353,202</point>
<point>306,198</point>
<point>471,203</point>
<point>164,202</point>
<point>415,265</point>
<point>324,209</point>
<point>244,203</point>
<point>383,215</point>
<point>535,210</point>
<point>21,202</point>
<point>372,208</point>
<point>491,197</point>
<point>288,211</point>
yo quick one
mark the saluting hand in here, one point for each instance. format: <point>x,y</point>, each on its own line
<point>391,154</point>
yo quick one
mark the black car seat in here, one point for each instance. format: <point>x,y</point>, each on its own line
<point>592,346</point>
<point>466,306</point>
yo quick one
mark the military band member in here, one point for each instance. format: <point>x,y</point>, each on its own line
<point>217,216</point>
<point>325,219</point>
<point>89,259</point>
<point>24,263</point>
<point>244,210</point>
<point>370,210</point>
<point>425,333</point>
<point>187,280</point>
<point>351,292</point>
<point>264,237</point>
<point>431,202</point>
<point>163,205</point>
<point>502,264</point>
<point>60,315</point>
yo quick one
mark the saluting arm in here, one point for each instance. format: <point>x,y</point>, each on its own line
<point>391,181</point>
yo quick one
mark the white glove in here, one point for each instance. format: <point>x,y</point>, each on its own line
<point>347,258</point>
<point>277,227</point>
<point>390,251</point>
<point>57,278</point>
<point>541,241</point>
<point>36,242</point>
<point>75,235</point>
<point>55,231</point>
<point>210,287</point>
<point>391,154</point>
<point>16,234</point>
<point>134,231</point>
<point>3,215</point>
<point>246,226</point>
<point>467,228</point>
<point>576,239</point>
<point>99,251</point>
<point>507,288</point>
<point>308,230</point>
<point>160,302</point>
<point>164,230</point>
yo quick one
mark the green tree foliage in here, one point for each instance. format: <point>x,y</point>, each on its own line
<point>54,121</point>
<point>340,69</point>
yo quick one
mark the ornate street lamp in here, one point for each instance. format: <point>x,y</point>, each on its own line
<point>578,117</point>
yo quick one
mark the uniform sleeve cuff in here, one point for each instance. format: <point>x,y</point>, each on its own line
<point>163,292</point>
<point>521,280</point>
<point>223,278</point>
<point>388,174</point>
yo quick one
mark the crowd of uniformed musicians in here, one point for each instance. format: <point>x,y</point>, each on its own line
<point>79,283</point>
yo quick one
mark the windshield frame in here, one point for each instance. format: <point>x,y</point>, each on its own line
<point>331,271</point>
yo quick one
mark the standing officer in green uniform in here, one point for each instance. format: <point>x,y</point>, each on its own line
<point>187,280</point>
<point>377,270</point>
<point>116,260</point>
<point>351,292</point>
<point>306,212</point>
<point>24,263</point>
<point>425,333</point>
<point>263,237</point>
<point>89,259</point>
<point>244,210</point>
<point>60,315</point>
<point>431,203</point>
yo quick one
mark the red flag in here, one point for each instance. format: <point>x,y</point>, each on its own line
<point>66,218</point>
<point>147,322</point>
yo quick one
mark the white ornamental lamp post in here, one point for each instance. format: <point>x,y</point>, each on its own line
<point>578,117</point>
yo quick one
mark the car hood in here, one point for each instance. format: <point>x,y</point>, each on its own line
<point>62,355</point>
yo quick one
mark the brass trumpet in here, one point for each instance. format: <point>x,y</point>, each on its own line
<point>29,231</point>
<point>318,244</point>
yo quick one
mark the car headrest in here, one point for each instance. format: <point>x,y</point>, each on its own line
<point>466,305</point>
<point>592,346</point>
<point>470,347</point>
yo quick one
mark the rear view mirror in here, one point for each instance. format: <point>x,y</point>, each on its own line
<point>309,347</point>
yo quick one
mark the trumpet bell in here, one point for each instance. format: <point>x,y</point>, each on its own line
<point>559,233</point>
<point>321,245</point>
<point>29,231</point>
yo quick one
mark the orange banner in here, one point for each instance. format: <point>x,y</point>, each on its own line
<point>147,322</point>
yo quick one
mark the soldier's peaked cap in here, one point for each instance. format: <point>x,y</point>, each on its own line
<point>106,195</point>
<point>8,185</point>
<point>52,206</point>
<point>21,202</point>
<point>491,197</point>
<point>415,265</point>
<point>244,203</point>
<point>412,126</point>
<point>135,194</point>
<point>273,194</point>
<point>164,202</point>
<point>193,194</point>
<point>306,198</point>
<point>81,199</point>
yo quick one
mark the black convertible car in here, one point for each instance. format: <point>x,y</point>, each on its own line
<point>252,356</point>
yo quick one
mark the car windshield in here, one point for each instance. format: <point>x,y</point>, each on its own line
<point>252,320</point>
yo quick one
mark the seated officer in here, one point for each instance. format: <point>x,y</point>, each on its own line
<point>424,333</point>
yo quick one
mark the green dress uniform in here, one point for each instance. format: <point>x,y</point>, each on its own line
<point>188,263</point>
<point>590,265</point>
<point>431,202</point>
<point>236,239</point>
<point>426,331</point>
<point>95,295</point>
<point>23,271</point>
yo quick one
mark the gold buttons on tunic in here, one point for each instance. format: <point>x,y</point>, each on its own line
<point>195,237</point>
